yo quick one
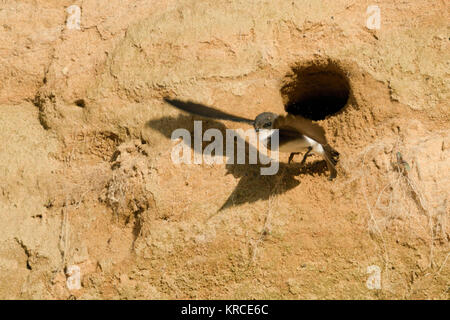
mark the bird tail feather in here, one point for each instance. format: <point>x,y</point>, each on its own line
<point>331,157</point>
<point>331,153</point>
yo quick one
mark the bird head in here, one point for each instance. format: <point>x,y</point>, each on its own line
<point>264,121</point>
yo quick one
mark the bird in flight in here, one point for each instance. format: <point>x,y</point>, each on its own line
<point>296,134</point>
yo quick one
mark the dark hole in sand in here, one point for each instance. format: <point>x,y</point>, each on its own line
<point>316,92</point>
<point>81,103</point>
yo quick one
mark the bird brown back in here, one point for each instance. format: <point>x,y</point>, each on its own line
<point>295,123</point>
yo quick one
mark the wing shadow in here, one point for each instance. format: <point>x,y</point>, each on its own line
<point>252,186</point>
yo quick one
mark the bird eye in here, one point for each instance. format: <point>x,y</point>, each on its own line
<point>267,124</point>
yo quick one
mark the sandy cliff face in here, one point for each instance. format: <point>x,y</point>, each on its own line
<point>87,180</point>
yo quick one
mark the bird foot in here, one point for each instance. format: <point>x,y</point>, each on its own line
<point>291,156</point>
<point>305,156</point>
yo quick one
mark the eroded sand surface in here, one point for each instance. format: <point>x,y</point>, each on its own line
<point>86,177</point>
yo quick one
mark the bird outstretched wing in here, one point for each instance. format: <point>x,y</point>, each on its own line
<point>293,124</point>
<point>205,111</point>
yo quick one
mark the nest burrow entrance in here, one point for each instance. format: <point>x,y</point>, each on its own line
<point>316,92</point>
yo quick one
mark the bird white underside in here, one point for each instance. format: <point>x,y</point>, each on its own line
<point>296,145</point>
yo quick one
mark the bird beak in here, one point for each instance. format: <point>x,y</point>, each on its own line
<point>257,130</point>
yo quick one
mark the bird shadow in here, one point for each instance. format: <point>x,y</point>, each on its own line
<point>252,185</point>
